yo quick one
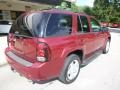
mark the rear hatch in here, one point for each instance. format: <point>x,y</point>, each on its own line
<point>24,34</point>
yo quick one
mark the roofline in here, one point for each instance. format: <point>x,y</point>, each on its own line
<point>59,11</point>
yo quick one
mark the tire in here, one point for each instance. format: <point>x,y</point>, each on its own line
<point>107,46</point>
<point>71,69</point>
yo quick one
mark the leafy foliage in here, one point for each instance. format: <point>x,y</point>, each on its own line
<point>107,11</point>
<point>103,10</point>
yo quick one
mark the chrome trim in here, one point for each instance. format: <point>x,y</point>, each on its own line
<point>18,59</point>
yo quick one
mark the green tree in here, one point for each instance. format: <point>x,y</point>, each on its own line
<point>88,10</point>
<point>74,8</point>
<point>107,11</point>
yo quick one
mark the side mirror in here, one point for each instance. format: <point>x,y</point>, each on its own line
<point>104,29</point>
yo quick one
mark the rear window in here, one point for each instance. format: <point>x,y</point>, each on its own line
<point>30,25</point>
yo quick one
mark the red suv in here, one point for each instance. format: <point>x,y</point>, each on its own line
<point>54,44</point>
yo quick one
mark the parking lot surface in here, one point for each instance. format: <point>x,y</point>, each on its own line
<point>3,45</point>
<point>101,74</point>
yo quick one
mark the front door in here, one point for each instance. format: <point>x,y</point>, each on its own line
<point>96,30</point>
<point>85,37</point>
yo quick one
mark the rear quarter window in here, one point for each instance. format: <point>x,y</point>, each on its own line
<point>59,25</point>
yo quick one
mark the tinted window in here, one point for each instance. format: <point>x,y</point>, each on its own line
<point>59,25</point>
<point>4,22</point>
<point>95,25</point>
<point>19,27</point>
<point>30,25</point>
<point>40,21</point>
<point>84,24</point>
<point>79,24</point>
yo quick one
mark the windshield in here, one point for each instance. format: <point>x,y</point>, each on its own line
<point>30,25</point>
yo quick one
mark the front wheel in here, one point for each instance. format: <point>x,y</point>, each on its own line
<point>106,47</point>
<point>71,69</point>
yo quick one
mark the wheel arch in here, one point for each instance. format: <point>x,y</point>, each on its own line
<point>80,53</point>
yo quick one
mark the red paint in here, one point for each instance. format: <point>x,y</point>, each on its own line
<point>115,25</point>
<point>105,24</point>
<point>57,49</point>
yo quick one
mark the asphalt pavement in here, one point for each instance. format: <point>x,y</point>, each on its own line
<point>101,74</point>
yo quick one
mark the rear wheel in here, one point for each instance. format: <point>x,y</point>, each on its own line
<point>107,47</point>
<point>71,69</point>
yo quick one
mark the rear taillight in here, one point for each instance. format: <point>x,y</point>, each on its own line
<point>43,52</point>
<point>10,40</point>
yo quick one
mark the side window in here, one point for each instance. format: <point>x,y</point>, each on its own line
<point>95,25</point>
<point>79,24</point>
<point>84,24</point>
<point>59,25</point>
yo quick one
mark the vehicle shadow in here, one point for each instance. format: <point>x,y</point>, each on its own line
<point>90,59</point>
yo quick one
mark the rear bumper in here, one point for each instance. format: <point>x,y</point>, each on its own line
<point>34,71</point>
